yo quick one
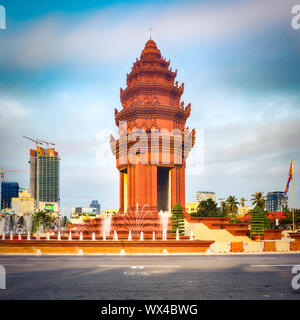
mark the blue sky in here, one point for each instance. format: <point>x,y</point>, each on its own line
<point>62,64</point>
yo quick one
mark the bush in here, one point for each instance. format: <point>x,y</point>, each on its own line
<point>257,221</point>
<point>177,220</point>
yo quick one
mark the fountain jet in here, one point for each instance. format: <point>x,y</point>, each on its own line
<point>115,236</point>
<point>177,234</point>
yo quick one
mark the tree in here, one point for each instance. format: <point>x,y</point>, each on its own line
<point>242,202</point>
<point>177,220</point>
<point>224,209</point>
<point>258,199</point>
<point>232,204</point>
<point>287,220</point>
<point>42,218</point>
<point>206,208</point>
<point>257,222</point>
<point>267,221</point>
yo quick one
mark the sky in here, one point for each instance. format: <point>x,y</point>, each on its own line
<point>62,64</point>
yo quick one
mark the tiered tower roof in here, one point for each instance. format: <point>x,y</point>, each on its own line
<point>151,90</point>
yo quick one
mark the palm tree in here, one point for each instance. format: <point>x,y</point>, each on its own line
<point>224,209</point>
<point>242,202</point>
<point>232,204</point>
<point>258,199</point>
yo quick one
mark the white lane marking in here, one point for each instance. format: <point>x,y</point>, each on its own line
<point>271,265</point>
<point>258,258</point>
<point>134,267</point>
<point>136,273</point>
<point>18,265</point>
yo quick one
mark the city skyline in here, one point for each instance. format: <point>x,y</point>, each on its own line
<point>65,86</point>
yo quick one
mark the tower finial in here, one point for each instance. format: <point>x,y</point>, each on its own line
<point>150,30</point>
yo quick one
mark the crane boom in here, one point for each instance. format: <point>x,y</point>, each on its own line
<point>33,140</point>
<point>47,143</point>
<point>2,172</point>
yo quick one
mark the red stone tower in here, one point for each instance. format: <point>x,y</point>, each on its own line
<point>153,141</point>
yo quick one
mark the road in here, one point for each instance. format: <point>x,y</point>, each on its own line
<point>150,277</point>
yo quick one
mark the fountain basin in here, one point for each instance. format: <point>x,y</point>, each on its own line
<point>104,247</point>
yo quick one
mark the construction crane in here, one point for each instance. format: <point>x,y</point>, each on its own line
<point>46,142</point>
<point>33,140</point>
<point>2,172</point>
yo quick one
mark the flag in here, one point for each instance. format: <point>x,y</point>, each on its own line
<point>289,178</point>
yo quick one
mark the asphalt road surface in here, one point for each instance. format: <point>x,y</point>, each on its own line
<point>212,277</point>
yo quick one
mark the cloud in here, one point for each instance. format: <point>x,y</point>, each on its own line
<point>239,73</point>
<point>94,38</point>
<point>11,109</point>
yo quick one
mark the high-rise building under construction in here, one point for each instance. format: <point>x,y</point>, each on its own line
<point>44,174</point>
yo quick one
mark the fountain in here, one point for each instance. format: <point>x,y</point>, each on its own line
<point>115,238</point>
<point>177,234</point>
<point>3,235</point>
<point>11,236</point>
<point>70,236</point>
<point>37,237</point>
<point>81,236</point>
<point>2,224</point>
<point>19,236</point>
<point>93,236</point>
<point>47,236</point>
<point>104,236</point>
<point>142,236</point>
<point>137,221</point>
<point>153,236</point>
<point>28,219</point>
<point>28,236</point>
<point>106,225</point>
<point>129,236</point>
<point>164,218</point>
<point>58,236</point>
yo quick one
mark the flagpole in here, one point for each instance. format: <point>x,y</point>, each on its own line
<point>293,203</point>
